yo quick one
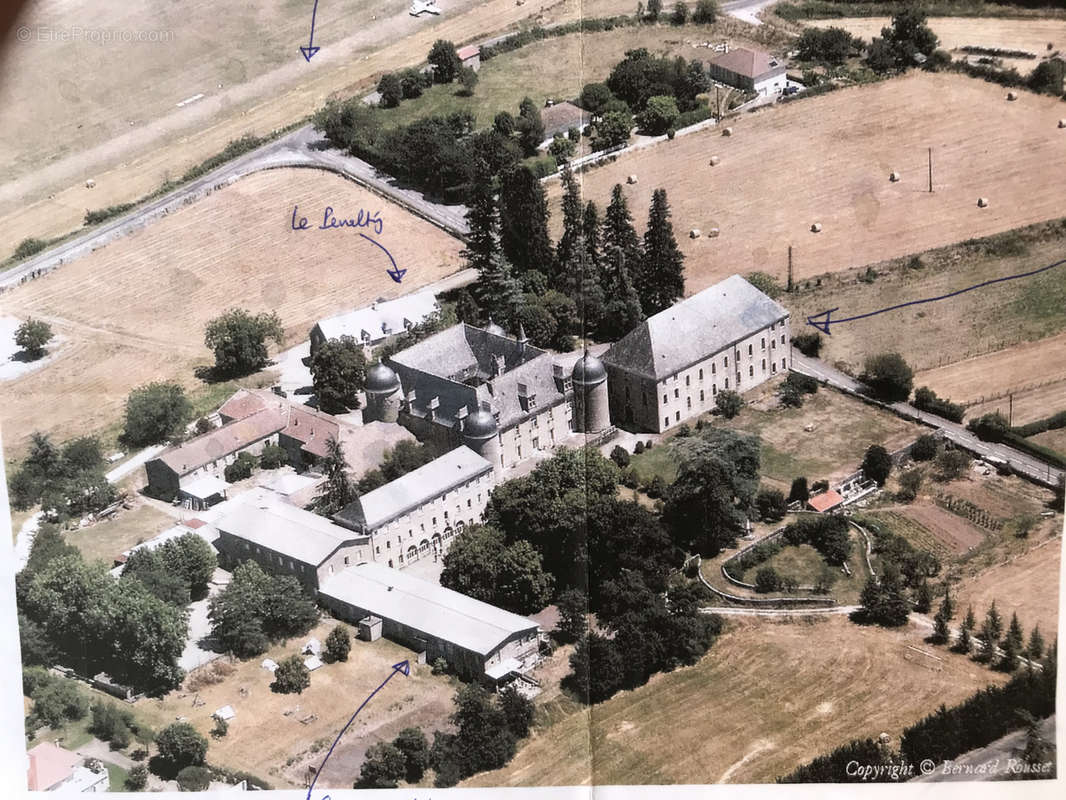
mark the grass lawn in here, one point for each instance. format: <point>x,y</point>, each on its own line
<point>802,563</point>
<point>558,68</point>
<point>117,776</point>
<point>841,428</point>
<point>767,697</point>
<point>657,461</point>
<point>105,540</point>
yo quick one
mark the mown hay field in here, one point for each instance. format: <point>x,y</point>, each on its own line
<point>1030,35</point>
<point>135,311</point>
<point>769,696</point>
<point>827,159</point>
<point>1036,371</point>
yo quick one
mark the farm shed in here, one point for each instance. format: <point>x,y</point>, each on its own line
<point>470,56</point>
<point>476,639</point>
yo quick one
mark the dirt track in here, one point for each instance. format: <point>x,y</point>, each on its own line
<point>827,159</point>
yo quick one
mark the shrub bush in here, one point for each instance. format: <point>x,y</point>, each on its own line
<point>620,456</point>
<point>809,343</point>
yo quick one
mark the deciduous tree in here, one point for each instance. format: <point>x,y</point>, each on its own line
<point>338,373</point>
<point>155,412</point>
<point>32,336</point>
<point>291,677</point>
<point>445,61</point>
<point>239,338</point>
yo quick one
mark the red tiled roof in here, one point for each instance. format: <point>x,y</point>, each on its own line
<point>222,441</point>
<point>560,117</point>
<point>749,63</point>
<point>194,523</point>
<point>311,428</point>
<point>49,764</point>
<point>469,51</point>
<point>242,404</point>
<point>825,501</point>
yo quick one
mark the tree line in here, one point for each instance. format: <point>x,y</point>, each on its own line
<point>600,279</point>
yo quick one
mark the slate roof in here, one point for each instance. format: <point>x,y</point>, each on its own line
<point>561,117</point>
<point>426,607</point>
<point>438,366</point>
<point>372,322</point>
<point>746,62</point>
<point>695,328</point>
<point>270,522</point>
<point>409,491</point>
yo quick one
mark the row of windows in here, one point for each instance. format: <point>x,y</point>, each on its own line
<point>714,389</point>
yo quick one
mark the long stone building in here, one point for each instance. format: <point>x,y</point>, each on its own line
<point>671,368</point>
<point>476,639</point>
<point>419,514</point>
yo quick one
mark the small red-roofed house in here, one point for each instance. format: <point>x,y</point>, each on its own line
<point>52,769</point>
<point>826,501</point>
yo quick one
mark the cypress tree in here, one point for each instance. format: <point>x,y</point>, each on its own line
<point>496,290</point>
<point>530,126</point>
<point>1036,645</point>
<point>483,218</point>
<point>941,632</point>
<point>661,280</point>
<point>590,297</point>
<point>524,222</point>
<point>622,311</point>
<point>947,606</point>
<point>923,597</point>
<point>991,630</point>
<point>618,231</point>
<point>570,250</point>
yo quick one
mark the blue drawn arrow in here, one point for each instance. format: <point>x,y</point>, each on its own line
<point>403,667</point>
<point>395,273</point>
<point>310,50</point>
<point>823,321</point>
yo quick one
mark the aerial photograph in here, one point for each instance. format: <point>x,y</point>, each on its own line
<point>417,394</point>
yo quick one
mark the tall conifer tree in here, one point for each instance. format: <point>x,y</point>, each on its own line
<point>661,280</point>
<point>524,222</point>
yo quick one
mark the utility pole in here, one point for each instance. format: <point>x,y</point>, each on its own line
<point>930,170</point>
<point>718,102</point>
<point>789,268</point>
<point>1010,414</point>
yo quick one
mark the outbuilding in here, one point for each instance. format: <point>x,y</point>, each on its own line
<point>479,641</point>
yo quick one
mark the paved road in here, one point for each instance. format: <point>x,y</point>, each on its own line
<point>1024,463</point>
<point>300,148</point>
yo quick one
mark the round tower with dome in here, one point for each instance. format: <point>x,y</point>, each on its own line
<point>591,411</point>
<point>382,394</point>
<point>480,433</point>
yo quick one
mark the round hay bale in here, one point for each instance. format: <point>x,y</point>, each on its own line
<point>727,131</point>
<point>713,233</point>
<point>1012,95</point>
<point>694,233</point>
<point>982,202</point>
<point>631,179</point>
<point>89,184</point>
<point>715,160</point>
<point>1062,123</point>
<point>894,177</point>
<point>816,227</point>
